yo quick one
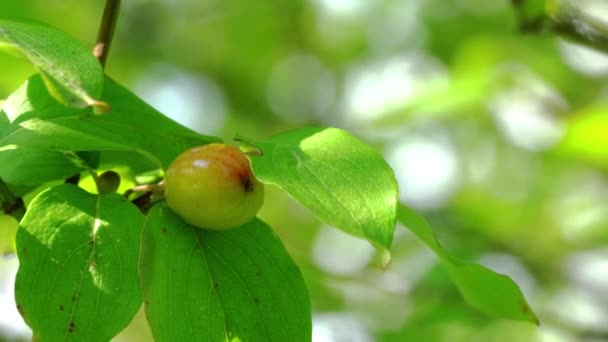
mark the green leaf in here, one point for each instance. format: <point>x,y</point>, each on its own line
<point>34,166</point>
<point>490,292</point>
<point>78,275</point>
<point>340,179</point>
<point>131,125</point>
<point>237,285</point>
<point>70,71</point>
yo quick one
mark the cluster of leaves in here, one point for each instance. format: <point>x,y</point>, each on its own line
<point>89,259</point>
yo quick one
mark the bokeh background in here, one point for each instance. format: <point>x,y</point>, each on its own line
<point>499,138</point>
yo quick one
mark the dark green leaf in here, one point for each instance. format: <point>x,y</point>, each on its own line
<point>236,285</point>
<point>70,71</point>
<point>340,179</point>
<point>34,166</point>
<point>78,254</point>
<point>492,293</point>
<point>131,125</point>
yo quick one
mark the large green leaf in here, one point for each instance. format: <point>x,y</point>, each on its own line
<point>492,293</point>
<point>78,255</point>
<point>236,285</point>
<point>70,71</point>
<point>340,179</point>
<point>34,166</point>
<point>131,125</point>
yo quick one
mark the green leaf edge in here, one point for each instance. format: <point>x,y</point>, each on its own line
<point>420,227</point>
<point>11,47</point>
<point>385,252</point>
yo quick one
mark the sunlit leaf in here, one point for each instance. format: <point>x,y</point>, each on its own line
<point>70,71</point>
<point>78,257</point>
<point>340,179</point>
<point>131,125</point>
<point>236,285</point>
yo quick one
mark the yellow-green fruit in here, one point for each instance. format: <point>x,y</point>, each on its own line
<point>213,187</point>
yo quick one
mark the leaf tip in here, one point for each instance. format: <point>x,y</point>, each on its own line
<point>526,309</point>
<point>99,107</point>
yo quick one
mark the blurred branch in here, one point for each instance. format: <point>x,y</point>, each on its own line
<point>563,18</point>
<point>106,30</point>
<point>10,204</point>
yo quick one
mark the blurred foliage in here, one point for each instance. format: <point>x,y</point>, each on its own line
<point>497,137</point>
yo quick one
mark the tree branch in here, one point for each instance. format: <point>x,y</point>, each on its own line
<point>578,26</point>
<point>565,19</point>
<point>106,30</point>
<point>102,47</point>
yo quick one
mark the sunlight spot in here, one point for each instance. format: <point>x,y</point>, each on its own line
<point>12,325</point>
<point>589,270</point>
<point>427,170</point>
<point>584,60</point>
<point>406,272</point>
<point>343,8</point>
<point>339,253</point>
<point>8,147</point>
<point>581,209</point>
<point>196,102</point>
<point>576,307</point>
<point>97,277</point>
<point>375,89</point>
<point>96,225</point>
<point>301,89</point>
<point>526,111</point>
<point>200,163</point>
<point>372,304</point>
<point>338,327</point>
<point>550,333</point>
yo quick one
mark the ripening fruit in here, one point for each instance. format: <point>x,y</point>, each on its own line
<point>212,187</point>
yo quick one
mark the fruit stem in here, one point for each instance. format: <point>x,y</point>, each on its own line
<point>152,194</point>
<point>145,188</point>
<point>96,180</point>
